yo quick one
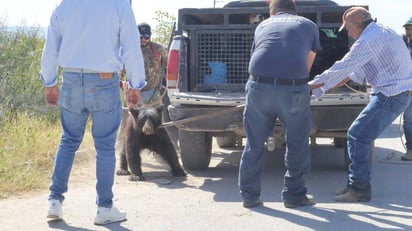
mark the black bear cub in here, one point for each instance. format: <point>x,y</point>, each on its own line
<point>142,131</point>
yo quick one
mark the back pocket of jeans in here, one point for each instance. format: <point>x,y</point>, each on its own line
<point>65,98</point>
<point>105,98</point>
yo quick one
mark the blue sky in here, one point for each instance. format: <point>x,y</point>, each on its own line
<point>392,13</point>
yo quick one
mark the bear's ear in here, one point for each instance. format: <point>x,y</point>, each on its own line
<point>134,112</point>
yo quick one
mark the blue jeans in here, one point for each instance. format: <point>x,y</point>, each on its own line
<point>264,104</point>
<point>146,96</point>
<point>82,95</point>
<point>380,112</point>
<point>407,126</point>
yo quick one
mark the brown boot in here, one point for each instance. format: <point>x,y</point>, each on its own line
<point>253,204</point>
<point>304,202</point>
<point>353,196</point>
<point>407,156</point>
<point>341,191</point>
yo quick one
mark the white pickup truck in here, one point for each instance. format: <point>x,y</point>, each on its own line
<point>208,69</point>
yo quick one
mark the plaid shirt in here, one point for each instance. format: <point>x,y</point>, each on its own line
<point>380,57</point>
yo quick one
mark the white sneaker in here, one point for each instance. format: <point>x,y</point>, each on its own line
<point>55,211</point>
<point>108,215</point>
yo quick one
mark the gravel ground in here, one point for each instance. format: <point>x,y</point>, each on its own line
<point>209,199</point>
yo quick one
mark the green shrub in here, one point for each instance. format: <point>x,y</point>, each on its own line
<point>29,130</point>
<point>20,87</point>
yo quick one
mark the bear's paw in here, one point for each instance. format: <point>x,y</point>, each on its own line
<point>136,178</point>
<point>122,172</point>
<point>178,172</point>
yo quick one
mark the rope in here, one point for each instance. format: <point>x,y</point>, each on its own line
<point>402,132</point>
<point>158,101</point>
<point>182,121</point>
<point>390,156</point>
<point>203,116</point>
<point>125,88</point>
<point>356,91</point>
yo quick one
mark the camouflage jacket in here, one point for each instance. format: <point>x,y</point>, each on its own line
<point>154,70</point>
<point>409,45</point>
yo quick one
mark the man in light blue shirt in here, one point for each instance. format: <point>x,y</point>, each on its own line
<point>84,39</point>
<point>380,57</point>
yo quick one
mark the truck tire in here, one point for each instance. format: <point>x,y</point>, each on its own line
<point>229,141</point>
<point>226,141</point>
<point>195,149</point>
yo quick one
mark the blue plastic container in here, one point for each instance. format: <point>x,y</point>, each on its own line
<point>218,73</point>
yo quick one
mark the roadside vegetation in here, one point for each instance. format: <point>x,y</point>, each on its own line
<point>26,158</point>
<point>163,30</point>
<point>29,130</point>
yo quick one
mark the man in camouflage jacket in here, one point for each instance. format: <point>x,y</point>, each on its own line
<point>155,63</point>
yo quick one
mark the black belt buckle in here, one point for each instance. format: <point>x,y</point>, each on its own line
<point>277,81</point>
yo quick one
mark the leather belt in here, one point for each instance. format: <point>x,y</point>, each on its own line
<point>81,70</point>
<point>103,75</point>
<point>276,81</point>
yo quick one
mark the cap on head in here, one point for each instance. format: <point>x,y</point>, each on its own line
<point>408,23</point>
<point>355,15</point>
<point>144,30</point>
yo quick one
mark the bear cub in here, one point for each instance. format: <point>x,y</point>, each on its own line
<point>142,131</point>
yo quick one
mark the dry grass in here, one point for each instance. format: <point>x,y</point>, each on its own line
<point>27,149</point>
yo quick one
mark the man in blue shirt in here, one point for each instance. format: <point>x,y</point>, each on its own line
<point>380,57</point>
<point>283,52</point>
<point>84,39</point>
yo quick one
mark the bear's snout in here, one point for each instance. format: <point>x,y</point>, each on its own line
<point>148,127</point>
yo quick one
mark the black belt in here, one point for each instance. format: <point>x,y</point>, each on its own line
<point>275,81</point>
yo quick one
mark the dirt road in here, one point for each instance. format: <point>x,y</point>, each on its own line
<point>209,200</point>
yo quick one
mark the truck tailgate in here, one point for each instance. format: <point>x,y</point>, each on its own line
<point>238,98</point>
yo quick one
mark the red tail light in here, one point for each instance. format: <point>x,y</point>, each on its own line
<point>173,64</point>
<point>172,68</point>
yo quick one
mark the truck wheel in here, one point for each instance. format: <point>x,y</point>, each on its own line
<point>195,149</point>
<point>228,141</point>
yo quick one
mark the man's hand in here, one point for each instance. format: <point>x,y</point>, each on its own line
<point>51,95</point>
<point>315,83</point>
<point>315,86</point>
<point>317,92</point>
<point>133,97</point>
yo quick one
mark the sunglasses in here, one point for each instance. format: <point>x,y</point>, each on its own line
<point>145,37</point>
